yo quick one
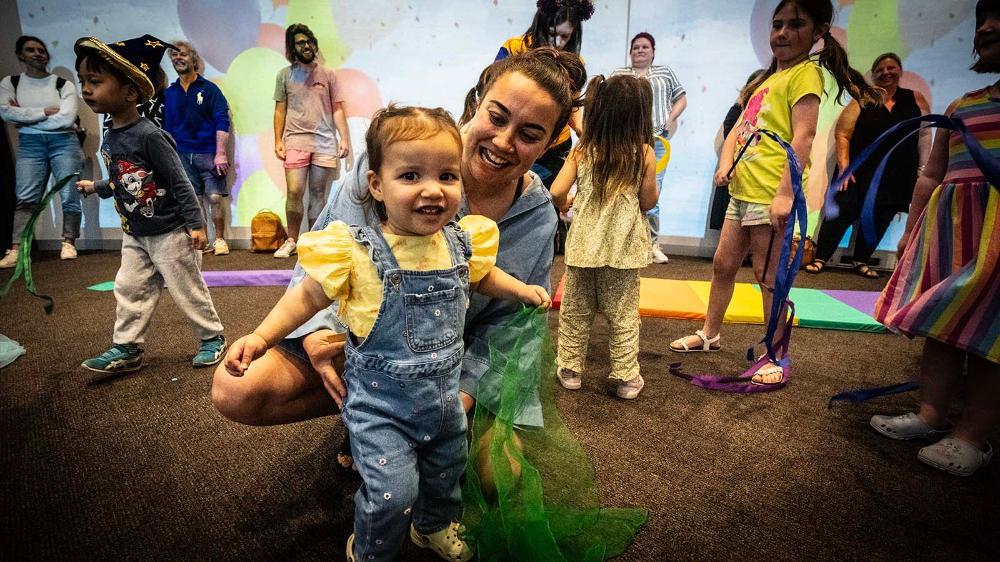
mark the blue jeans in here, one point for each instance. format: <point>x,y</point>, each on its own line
<point>38,156</point>
<point>403,412</point>
<point>653,215</point>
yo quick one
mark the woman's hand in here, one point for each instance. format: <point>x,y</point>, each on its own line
<point>279,149</point>
<point>85,187</point>
<point>242,352</point>
<point>781,208</point>
<point>325,349</point>
<point>537,296</point>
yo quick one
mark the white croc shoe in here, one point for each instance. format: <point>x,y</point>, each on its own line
<point>955,456</point>
<point>907,426</point>
<point>446,543</point>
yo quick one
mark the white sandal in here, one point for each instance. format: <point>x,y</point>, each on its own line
<point>707,344</point>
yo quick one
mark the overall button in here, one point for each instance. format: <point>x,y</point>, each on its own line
<point>407,511</point>
<point>394,278</point>
<point>434,355</point>
<point>427,437</point>
<point>374,384</point>
<point>437,312</point>
<point>443,475</point>
<point>387,496</point>
<point>430,288</point>
<point>378,541</point>
<point>382,461</point>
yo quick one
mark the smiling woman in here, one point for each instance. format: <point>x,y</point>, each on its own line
<point>857,128</point>
<point>518,106</point>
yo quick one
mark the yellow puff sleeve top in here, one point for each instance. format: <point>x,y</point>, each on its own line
<point>343,268</point>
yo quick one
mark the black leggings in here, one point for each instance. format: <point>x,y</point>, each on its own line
<point>832,230</point>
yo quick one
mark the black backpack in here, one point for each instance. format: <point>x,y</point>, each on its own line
<point>81,133</point>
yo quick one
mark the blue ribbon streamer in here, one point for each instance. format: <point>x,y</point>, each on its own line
<point>989,165</point>
<point>787,269</point>
<point>865,394</point>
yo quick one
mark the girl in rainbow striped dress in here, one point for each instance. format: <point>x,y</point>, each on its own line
<point>947,284</point>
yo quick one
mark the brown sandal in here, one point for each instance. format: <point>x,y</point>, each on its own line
<point>865,271</point>
<point>815,267</point>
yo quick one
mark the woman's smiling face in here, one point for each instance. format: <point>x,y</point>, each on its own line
<point>511,129</point>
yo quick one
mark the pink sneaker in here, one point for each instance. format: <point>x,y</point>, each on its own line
<point>630,389</point>
<point>569,379</point>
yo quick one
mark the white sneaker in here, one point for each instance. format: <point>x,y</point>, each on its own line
<point>68,251</point>
<point>9,259</point>
<point>286,249</point>
<point>658,255</point>
<point>220,247</point>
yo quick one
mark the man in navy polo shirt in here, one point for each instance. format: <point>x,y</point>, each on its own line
<point>197,116</point>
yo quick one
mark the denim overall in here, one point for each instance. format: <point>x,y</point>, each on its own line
<point>406,422</point>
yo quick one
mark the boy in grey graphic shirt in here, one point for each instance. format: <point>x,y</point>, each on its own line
<point>161,219</point>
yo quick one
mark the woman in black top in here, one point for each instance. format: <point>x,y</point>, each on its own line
<point>856,129</point>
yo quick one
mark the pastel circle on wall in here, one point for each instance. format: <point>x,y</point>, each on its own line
<point>360,93</point>
<point>249,87</point>
<point>926,21</point>
<point>916,82</point>
<point>274,167</point>
<point>258,192</point>
<point>760,30</point>
<point>369,21</point>
<point>873,28</point>
<point>203,22</point>
<point>272,37</point>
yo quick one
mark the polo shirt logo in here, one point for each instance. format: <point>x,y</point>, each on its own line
<point>199,98</point>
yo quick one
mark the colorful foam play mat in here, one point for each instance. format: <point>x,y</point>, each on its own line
<point>814,308</point>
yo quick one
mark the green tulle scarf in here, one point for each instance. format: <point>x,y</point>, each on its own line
<point>552,511</point>
<point>27,237</point>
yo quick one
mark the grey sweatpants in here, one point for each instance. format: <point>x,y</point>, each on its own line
<point>149,262</point>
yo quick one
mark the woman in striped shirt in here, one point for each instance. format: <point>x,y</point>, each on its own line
<point>669,101</point>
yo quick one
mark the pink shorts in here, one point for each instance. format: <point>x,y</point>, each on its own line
<point>301,158</point>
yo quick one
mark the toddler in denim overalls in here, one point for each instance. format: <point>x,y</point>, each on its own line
<point>404,353</point>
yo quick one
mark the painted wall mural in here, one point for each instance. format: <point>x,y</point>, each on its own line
<point>430,52</point>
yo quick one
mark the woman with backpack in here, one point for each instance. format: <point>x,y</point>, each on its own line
<point>43,108</point>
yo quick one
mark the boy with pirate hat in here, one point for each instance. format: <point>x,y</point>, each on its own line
<point>161,219</point>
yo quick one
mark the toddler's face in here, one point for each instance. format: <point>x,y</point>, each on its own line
<point>101,91</point>
<point>419,183</point>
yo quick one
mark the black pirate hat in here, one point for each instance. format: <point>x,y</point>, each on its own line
<point>135,58</point>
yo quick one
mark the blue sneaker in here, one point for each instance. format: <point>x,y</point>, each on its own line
<point>210,352</point>
<point>121,358</point>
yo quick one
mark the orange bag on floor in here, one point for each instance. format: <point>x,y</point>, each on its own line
<point>267,234</point>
